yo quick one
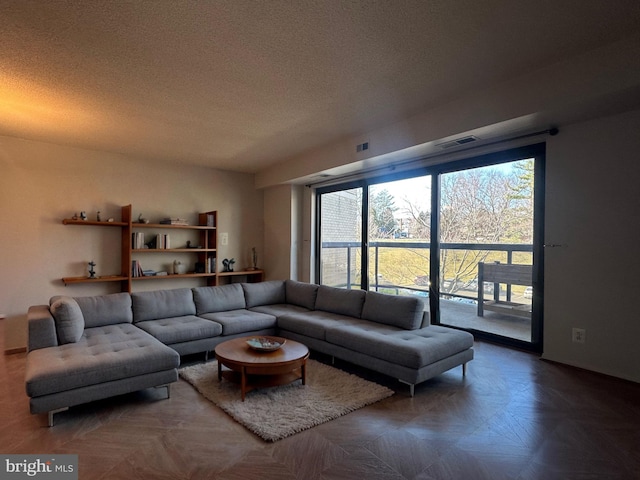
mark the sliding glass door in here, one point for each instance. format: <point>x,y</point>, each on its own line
<point>486,249</point>
<point>466,236</point>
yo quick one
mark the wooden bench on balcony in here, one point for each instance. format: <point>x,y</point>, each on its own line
<point>510,274</point>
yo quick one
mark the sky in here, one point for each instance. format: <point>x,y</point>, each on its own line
<point>417,190</point>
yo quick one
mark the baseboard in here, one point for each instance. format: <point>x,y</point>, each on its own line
<point>12,351</point>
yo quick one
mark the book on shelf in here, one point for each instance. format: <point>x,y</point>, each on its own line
<point>162,241</point>
<point>211,265</point>
<point>136,269</point>
<point>211,221</point>
<point>174,221</point>
<point>137,240</point>
<point>159,242</point>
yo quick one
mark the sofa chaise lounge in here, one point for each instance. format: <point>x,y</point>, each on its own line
<point>87,348</point>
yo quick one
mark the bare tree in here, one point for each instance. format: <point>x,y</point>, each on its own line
<point>479,206</point>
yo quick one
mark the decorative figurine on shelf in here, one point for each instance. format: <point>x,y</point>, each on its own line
<point>141,219</point>
<point>179,268</point>
<point>75,216</point>
<point>227,265</point>
<point>92,273</point>
<point>98,216</point>
<point>254,259</point>
<point>83,215</point>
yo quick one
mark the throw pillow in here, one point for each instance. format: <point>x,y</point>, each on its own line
<point>68,318</point>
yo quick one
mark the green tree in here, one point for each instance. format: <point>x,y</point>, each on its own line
<point>382,222</point>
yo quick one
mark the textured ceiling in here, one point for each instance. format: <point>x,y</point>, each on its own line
<point>242,85</point>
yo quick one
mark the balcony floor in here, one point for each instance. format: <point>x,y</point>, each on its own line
<point>464,315</point>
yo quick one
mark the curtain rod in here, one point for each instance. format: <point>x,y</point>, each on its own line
<point>552,131</point>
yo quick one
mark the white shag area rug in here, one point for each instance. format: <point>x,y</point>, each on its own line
<point>277,412</point>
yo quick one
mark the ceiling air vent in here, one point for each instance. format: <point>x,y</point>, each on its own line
<point>458,141</point>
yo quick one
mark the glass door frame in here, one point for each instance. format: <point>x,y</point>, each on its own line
<point>535,151</point>
<point>364,240</point>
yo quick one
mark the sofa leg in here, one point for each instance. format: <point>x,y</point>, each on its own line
<point>464,369</point>
<point>412,387</point>
<point>53,412</point>
<point>206,356</point>
<point>168,387</point>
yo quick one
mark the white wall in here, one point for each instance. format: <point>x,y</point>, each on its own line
<point>284,218</point>
<point>593,210</point>
<point>278,221</point>
<point>41,183</point>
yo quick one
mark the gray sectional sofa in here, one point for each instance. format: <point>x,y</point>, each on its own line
<point>87,348</point>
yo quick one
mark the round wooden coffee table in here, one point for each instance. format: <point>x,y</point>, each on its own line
<point>256,369</point>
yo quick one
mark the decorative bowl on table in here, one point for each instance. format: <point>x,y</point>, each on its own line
<point>266,344</point>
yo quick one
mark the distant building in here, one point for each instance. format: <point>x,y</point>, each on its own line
<point>341,222</point>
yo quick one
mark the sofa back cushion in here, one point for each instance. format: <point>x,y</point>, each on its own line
<point>103,310</point>
<point>162,304</point>
<point>340,301</point>
<point>402,312</point>
<point>219,299</point>
<point>264,293</point>
<point>301,294</point>
<point>68,319</point>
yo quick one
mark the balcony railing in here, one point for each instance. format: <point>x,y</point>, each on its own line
<point>377,283</point>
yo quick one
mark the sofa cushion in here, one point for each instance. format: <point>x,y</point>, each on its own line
<point>100,310</point>
<point>264,293</point>
<point>279,309</point>
<point>310,323</point>
<point>403,312</point>
<point>410,348</point>
<point>218,299</point>
<point>301,294</point>
<point>68,320</point>
<point>103,354</point>
<point>180,329</point>
<point>241,321</point>
<point>340,301</point>
<point>162,304</point>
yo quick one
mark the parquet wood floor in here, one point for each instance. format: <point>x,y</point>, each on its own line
<point>512,417</point>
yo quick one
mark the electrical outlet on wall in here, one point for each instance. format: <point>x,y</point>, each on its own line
<point>578,335</point>
<point>224,238</point>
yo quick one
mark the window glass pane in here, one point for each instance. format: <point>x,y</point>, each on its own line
<point>340,238</point>
<point>487,218</point>
<point>399,236</point>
